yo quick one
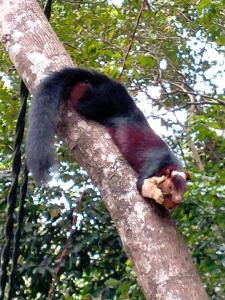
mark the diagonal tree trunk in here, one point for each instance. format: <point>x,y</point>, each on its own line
<point>163,266</point>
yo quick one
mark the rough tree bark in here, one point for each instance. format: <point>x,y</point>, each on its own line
<point>163,266</point>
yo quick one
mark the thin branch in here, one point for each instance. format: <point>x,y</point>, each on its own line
<point>144,3</point>
<point>184,90</point>
<point>196,156</point>
<point>65,249</point>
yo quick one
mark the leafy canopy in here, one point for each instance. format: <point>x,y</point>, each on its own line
<point>178,49</point>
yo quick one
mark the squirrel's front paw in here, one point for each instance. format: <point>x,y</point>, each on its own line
<point>150,189</point>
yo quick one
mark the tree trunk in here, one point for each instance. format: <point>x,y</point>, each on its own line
<point>163,266</point>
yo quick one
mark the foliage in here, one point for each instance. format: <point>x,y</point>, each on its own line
<point>178,48</point>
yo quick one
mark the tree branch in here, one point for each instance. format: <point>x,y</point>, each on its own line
<point>185,88</point>
<point>144,3</point>
<point>163,266</point>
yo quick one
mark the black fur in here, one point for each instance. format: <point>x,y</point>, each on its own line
<point>105,101</point>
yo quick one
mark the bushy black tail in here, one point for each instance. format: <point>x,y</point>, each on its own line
<point>43,118</point>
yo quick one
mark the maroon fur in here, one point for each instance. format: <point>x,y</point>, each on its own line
<point>133,140</point>
<point>78,92</point>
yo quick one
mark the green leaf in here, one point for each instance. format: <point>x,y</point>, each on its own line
<point>146,61</point>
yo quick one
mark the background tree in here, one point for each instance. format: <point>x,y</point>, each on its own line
<point>174,50</point>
